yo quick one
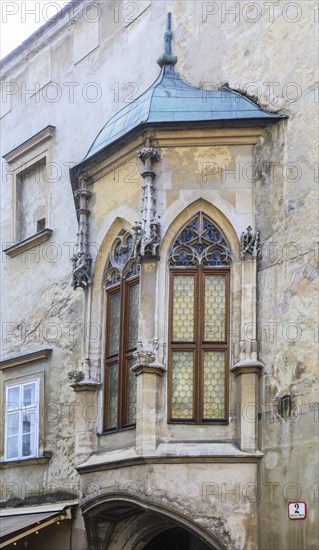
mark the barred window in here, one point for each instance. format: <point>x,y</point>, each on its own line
<point>199,263</point>
<point>121,280</point>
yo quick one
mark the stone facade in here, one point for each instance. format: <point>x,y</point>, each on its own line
<point>227,484</point>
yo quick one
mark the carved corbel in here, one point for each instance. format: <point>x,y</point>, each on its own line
<point>76,376</point>
<point>81,261</point>
<point>249,243</point>
<point>147,231</point>
<point>147,359</point>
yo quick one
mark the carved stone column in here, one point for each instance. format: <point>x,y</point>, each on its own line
<point>149,371</point>
<point>82,260</point>
<point>146,248</point>
<point>147,231</point>
<point>85,415</point>
<point>82,382</point>
<point>248,368</point>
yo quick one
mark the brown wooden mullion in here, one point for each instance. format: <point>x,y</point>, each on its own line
<point>198,330</point>
<point>201,344</point>
<point>228,342</point>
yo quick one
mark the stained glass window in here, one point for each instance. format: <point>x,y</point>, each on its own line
<point>182,384</point>
<point>131,393</point>
<point>133,313</point>
<point>183,308</point>
<point>214,384</point>
<point>121,280</point>
<point>215,308</point>
<point>114,338</point>
<point>200,243</point>
<point>112,398</point>
<point>199,318</point>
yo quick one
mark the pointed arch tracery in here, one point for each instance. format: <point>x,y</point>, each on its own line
<point>200,243</point>
<point>121,262</point>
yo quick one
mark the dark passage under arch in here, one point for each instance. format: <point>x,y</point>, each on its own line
<point>175,539</point>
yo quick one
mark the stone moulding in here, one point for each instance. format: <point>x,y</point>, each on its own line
<point>85,386</point>
<point>35,461</point>
<point>248,367</point>
<point>30,357</point>
<point>47,133</point>
<point>241,457</point>
<point>27,244</point>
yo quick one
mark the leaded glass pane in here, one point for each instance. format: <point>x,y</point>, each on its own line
<point>13,424</point>
<point>12,447</point>
<point>182,385</point>
<point>29,392</point>
<point>215,308</point>
<point>114,320</point>
<point>112,398</point>
<point>133,317</point>
<point>183,308</point>
<point>131,393</point>
<point>13,398</point>
<point>214,385</point>
<point>28,423</point>
<point>28,444</point>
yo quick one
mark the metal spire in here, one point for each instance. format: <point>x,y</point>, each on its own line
<point>167,58</point>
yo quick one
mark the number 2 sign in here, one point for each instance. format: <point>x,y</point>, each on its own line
<point>297,510</point>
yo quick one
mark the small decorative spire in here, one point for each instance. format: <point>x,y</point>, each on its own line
<point>167,58</point>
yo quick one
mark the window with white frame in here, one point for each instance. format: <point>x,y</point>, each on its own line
<point>22,421</point>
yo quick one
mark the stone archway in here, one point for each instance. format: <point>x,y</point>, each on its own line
<point>120,522</point>
<point>175,538</point>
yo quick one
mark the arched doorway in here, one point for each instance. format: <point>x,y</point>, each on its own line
<point>175,538</point>
<point>125,522</point>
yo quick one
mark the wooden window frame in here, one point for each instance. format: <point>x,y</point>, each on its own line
<point>21,409</point>
<point>123,355</point>
<point>199,345</point>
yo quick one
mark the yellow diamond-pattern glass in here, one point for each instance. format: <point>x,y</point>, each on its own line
<point>214,385</point>
<point>183,308</point>
<point>215,308</point>
<point>182,385</point>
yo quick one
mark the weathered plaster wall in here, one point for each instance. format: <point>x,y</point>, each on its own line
<point>288,325</point>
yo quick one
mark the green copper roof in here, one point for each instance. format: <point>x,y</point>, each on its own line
<point>170,101</point>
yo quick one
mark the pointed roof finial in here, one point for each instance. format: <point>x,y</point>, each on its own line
<point>167,58</point>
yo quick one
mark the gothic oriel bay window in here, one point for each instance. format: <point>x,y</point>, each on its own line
<point>199,323</point>
<point>121,282</point>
